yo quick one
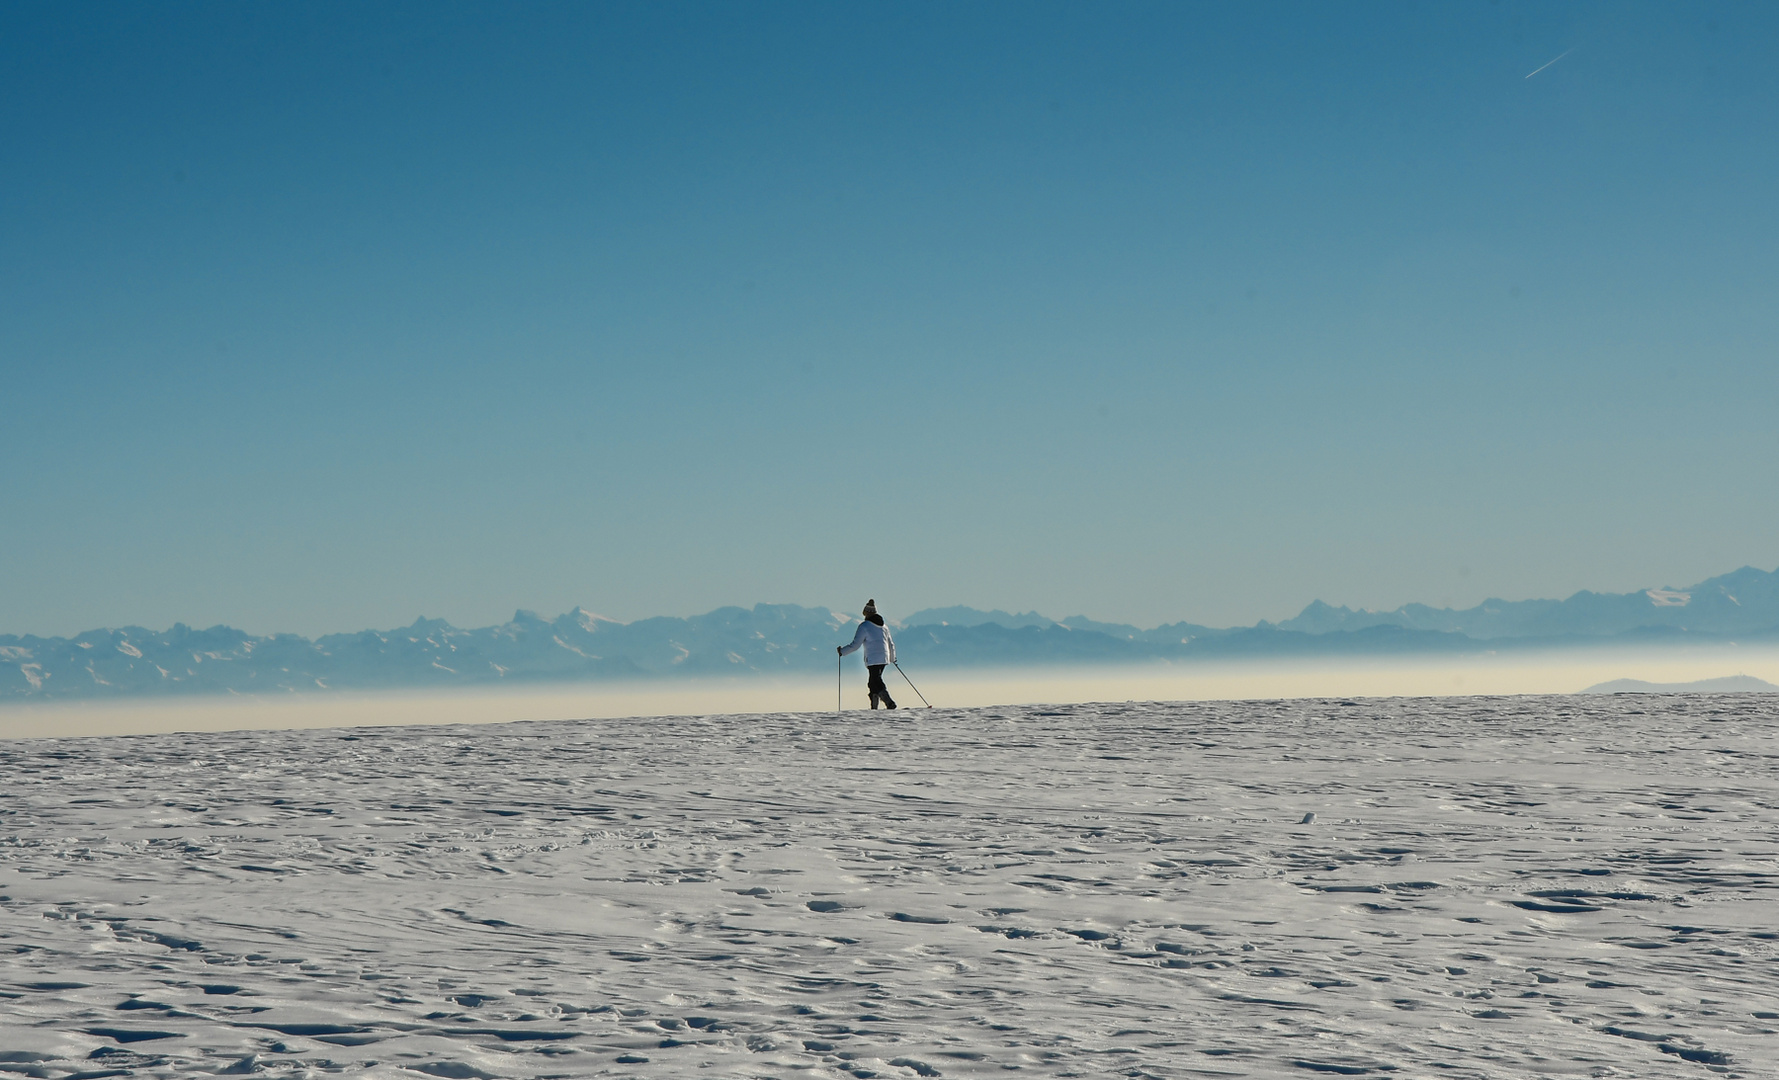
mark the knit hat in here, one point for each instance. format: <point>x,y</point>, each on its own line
<point>870,608</point>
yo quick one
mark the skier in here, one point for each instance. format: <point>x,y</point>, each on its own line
<point>880,651</point>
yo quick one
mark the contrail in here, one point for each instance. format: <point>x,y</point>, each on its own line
<point>1566,53</point>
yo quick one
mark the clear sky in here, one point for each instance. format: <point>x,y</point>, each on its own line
<point>324,316</point>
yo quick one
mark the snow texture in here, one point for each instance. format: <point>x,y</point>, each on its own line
<point>1505,887</point>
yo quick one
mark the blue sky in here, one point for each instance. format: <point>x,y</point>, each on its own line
<point>325,316</point>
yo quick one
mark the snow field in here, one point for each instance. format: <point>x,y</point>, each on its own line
<point>1497,888</point>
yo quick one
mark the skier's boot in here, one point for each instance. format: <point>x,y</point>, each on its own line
<point>888,704</point>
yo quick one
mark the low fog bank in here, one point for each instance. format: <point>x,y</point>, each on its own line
<point>1564,671</point>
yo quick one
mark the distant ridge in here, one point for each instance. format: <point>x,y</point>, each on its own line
<point>766,639</point>
<point>1730,684</point>
<point>1743,601</point>
<point>958,615</point>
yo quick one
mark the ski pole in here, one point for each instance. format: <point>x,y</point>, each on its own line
<point>838,661</point>
<point>911,686</point>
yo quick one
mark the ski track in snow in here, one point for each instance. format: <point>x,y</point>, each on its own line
<point>1503,887</point>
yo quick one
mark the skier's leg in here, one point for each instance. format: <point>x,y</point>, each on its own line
<point>879,692</point>
<point>878,689</point>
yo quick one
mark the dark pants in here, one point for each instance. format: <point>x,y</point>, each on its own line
<point>878,690</point>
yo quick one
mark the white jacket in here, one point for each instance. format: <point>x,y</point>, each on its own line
<point>879,647</point>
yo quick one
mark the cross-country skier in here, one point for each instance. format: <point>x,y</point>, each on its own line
<point>880,650</point>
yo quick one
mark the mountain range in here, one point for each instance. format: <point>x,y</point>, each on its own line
<point>1729,684</point>
<point>786,639</point>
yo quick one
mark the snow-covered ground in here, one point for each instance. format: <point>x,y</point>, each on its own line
<point>1503,887</point>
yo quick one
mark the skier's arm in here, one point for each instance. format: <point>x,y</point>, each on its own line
<point>891,643</point>
<point>858,639</point>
